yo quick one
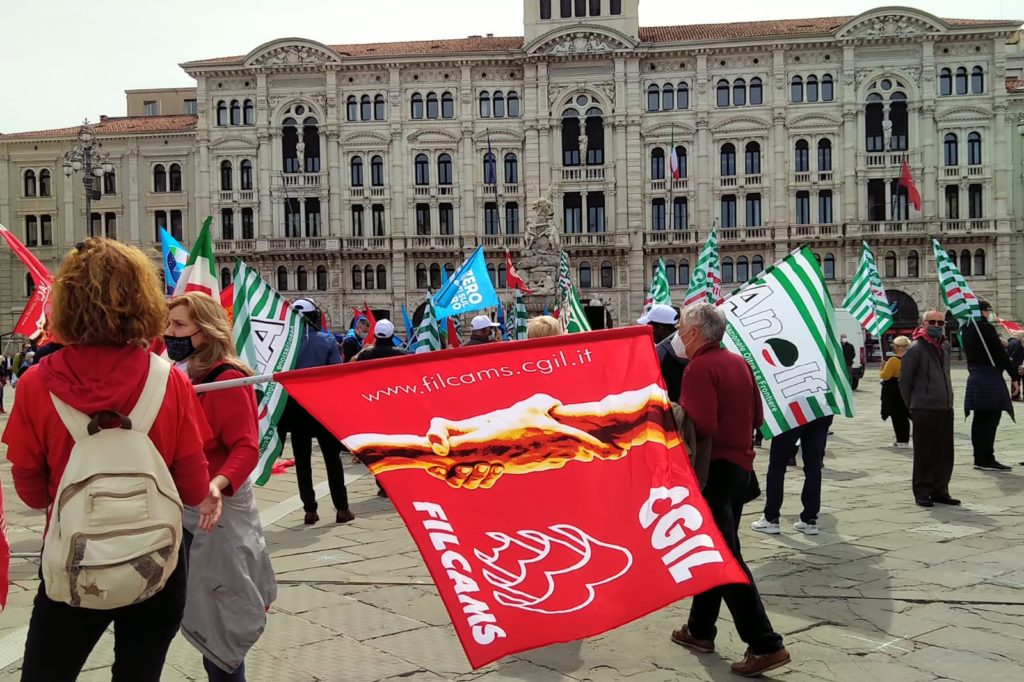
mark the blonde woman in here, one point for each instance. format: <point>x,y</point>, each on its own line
<point>892,402</point>
<point>233,559</point>
<point>541,326</point>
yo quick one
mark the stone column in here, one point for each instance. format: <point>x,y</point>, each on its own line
<point>134,190</point>
<point>332,193</point>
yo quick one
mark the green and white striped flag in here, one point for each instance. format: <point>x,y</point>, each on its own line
<point>572,315</point>
<point>564,277</point>
<point>520,317</point>
<point>267,334</point>
<point>783,324</point>
<point>659,292</point>
<point>706,280</point>
<point>959,297</point>
<point>866,299</point>
<point>428,338</point>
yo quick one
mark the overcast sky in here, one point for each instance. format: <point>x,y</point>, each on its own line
<point>63,60</point>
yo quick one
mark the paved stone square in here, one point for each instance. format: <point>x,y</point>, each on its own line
<point>889,591</point>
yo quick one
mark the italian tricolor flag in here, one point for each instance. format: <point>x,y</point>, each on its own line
<point>200,273</point>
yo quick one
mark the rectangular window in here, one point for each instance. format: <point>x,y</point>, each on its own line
<point>975,208</point>
<point>803,208</point>
<point>491,223</point>
<point>952,193</point>
<point>423,219</point>
<point>595,212</point>
<point>876,200</point>
<point>31,231</point>
<point>292,218</point>
<point>312,217</point>
<point>573,204</point>
<point>825,208</point>
<point>159,221</point>
<point>545,9</point>
<point>248,227</point>
<point>658,214</point>
<point>177,225</point>
<point>565,9</point>
<point>227,224</point>
<point>96,225</point>
<point>110,183</point>
<point>680,214</point>
<point>616,7</point>
<point>378,220</point>
<point>109,225</point>
<point>46,230</point>
<point>595,8</point>
<point>446,219</point>
<point>150,109</point>
<point>729,210</point>
<point>753,210</point>
<point>512,218</point>
<point>191,107</point>
<point>357,221</point>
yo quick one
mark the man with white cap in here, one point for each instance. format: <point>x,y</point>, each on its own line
<point>384,332</point>
<point>663,318</point>
<point>671,353</point>
<point>482,330</point>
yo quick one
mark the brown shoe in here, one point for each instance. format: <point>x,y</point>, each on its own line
<point>311,518</point>
<point>682,637</point>
<point>344,516</point>
<point>753,665</point>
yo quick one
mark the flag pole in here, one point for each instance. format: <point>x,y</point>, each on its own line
<point>671,178</point>
<point>984,345</point>
<point>234,383</point>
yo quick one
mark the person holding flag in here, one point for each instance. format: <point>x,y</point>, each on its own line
<point>986,394</point>
<point>353,340</point>
<point>482,331</point>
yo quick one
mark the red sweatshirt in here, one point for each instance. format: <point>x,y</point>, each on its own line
<point>90,379</point>
<point>720,396</point>
<point>234,449</point>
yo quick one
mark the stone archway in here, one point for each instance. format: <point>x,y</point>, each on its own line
<point>905,311</point>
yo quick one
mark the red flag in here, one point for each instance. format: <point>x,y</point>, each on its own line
<point>227,301</point>
<point>907,180</point>
<point>32,322</point>
<point>5,554</point>
<point>370,338</point>
<point>464,440</point>
<point>453,334</point>
<point>512,278</point>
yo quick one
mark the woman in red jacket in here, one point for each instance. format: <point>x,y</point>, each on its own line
<point>233,559</point>
<point>107,307</point>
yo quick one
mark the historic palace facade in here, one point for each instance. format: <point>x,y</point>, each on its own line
<point>355,173</point>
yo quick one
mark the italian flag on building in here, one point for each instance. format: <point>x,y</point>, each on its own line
<point>200,273</point>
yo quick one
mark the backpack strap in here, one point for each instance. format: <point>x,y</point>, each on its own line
<point>76,422</point>
<point>146,409</point>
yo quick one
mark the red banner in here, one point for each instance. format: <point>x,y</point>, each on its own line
<point>543,481</point>
<point>32,322</point>
<point>5,554</point>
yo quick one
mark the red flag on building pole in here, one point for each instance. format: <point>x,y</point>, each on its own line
<point>907,180</point>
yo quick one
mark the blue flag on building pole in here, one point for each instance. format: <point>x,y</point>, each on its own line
<point>468,290</point>
<point>175,258</point>
<point>410,332</point>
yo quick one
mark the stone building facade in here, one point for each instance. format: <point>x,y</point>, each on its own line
<point>357,173</point>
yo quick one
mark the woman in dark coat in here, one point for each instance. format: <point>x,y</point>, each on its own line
<point>892,401</point>
<point>987,395</point>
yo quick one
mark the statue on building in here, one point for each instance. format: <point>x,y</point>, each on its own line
<point>542,253</point>
<point>300,152</point>
<point>584,142</point>
<point>887,134</point>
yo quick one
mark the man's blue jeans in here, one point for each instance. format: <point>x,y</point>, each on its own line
<point>812,437</point>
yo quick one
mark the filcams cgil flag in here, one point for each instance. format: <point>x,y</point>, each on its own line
<point>462,439</point>
<point>467,290</point>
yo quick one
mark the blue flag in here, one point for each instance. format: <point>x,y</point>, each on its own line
<point>410,333</point>
<point>175,257</point>
<point>468,290</point>
<point>501,322</point>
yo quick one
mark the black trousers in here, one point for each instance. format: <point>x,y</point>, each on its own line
<point>725,492</point>
<point>61,637</point>
<point>983,435</point>
<point>933,452</point>
<point>813,437</point>
<point>303,427</point>
<point>901,427</point>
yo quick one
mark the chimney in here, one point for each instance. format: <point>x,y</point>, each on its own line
<point>103,118</point>
<point>490,35</point>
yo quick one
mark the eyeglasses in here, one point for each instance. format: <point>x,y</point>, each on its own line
<point>935,323</point>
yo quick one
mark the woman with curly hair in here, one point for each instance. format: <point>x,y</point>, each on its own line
<point>107,307</point>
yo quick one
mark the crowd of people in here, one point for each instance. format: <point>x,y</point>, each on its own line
<point>101,381</point>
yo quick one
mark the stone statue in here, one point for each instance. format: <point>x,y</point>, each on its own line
<point>887,134</point>
<point>300,151</point>
<point>542,254</point>
<point>583,148</point>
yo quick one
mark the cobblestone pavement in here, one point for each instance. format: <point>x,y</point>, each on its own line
<point>889,591</point>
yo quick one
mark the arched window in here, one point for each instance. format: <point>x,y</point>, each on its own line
<point>422,166</point>
<point>365,108</point>
<point>683,276</point>
<point>945,82</point>
<point>417,105</point>
<point>722,93</point>
<point>236,113</point>
<point>890,264</point>
<point>321,278</point>
<point>973,150</point>
<point>977,80</point>
<point>827,94</point>
<point>245,175</point>
<point>357,277</point>
<point>961,81</point>
<point>829,267</point>
<point>728,159</point>
<point>812,88</point>
<point>379,108</point>
<point>950,152</point>
<point>668,97</point>
<point>670,272</point>
<point>490,169</point>
<point>801,158</point>
<point>444,169</point>
<point>965,262</point>
<point>432,108</point>
<point>683,96</point>
<point>225,278</point>
<point>435,276</point>
<point>595,134</point>
<point>249,112</point>
<point>979,263</point>
<point>498,104</point>
<point>607,275</point>
<point>44,183</point>
<point>159,178</point>
<point>485,104</point>
<point>352,108</point>
<point>756,91</point>
<point>382,277</point>
<point>739,92</point>
<point>447,105</point>
<point>586,276</point>
<point>913,264</point>
<point>282,278</point>
<point>377,171</point>
<point>30,183</point>
<point>824,154</point>
<point>174,175</point>
<point>222,113</point>
<point>742,269</point>
<point>874,140</point>
<point>657,164</point>
<point>421,276</point>
<point>653,98</point>
<point>728,276</point>
<point>756,266</point>
<point>225,176</point>
<point>511,168</point>
<point>502,275</point>
<point>898,114</point>
<point>357,171</point>
<point>681,158</point>
<point>301,278</point>
<point>512,102</point>
<point>752,158</point>
<point>492,274</point>
<point>797,89</point>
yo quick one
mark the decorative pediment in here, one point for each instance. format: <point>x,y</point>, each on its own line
<point>740,124</point>
<point>892,22</point>
<point>225,143</point>
<point>366,139</point>
<point>499,137</point>
<point>815,120</point>
<point>292,52</point>
<point>668,131</point>
<point>581,40</point>
<point>965,115</point>
<point>433,137</point>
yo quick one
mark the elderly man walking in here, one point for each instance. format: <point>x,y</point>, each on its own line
<point>720,397</point>
<point>927,391</point>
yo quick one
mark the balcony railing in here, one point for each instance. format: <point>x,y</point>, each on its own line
<point>975,170</point>
<point>824,176</point>
<point>356,192</point>
<point>301,179</point>
<point>596,239</point>
<point>246,195</point>
<point>971,225</point>
<point>752,180</point>
<point>583,174</point>
<point>669,237</point>
<point>889,159</point>
<point>377,192</point>
<point>894,227</point>
<point>801,178</point>
<point>234,246</point>
<point>297,244</point>
<point>727,181</point>
<point>439,242</point>
<point>951,172</point>
<point>500,241</point>
<point>814,231</point>
<point>367,243</point>
<point>677,185</point>
<point>744,234</point>
<point>227,196</point>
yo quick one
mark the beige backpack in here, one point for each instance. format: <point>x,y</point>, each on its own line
<point>115,527</point>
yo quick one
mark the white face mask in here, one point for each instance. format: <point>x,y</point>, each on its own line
<point>678,347</point>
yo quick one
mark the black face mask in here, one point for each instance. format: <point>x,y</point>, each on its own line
<point>179,347</point>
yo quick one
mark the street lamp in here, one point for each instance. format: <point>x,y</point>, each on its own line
<point>93,162</point>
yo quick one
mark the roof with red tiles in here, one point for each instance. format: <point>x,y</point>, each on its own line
<point>121,125</point>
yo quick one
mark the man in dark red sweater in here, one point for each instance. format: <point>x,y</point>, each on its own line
<point>720,396</point>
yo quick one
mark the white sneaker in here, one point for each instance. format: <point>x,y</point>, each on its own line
<point>806,528</point>
<point>766,526</point>
<point>900,446</point>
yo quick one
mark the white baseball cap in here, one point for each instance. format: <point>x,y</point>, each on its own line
<point>384,329</point>
<point>304,305</point>
<point>660,314</point>
<point>482,322</point>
